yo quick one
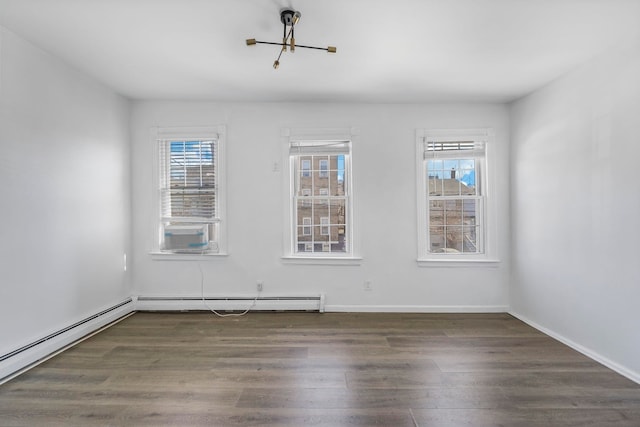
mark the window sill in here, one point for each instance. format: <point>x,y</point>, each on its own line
<point>305,260</point>
<point>458,263</point>
<point>165,256</point>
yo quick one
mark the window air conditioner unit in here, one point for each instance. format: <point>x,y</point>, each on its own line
<point>186,238</point>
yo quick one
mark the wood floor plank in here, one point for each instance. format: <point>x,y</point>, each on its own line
<point>515,418</point>
<point>312,369</point>
<point>378,398</point>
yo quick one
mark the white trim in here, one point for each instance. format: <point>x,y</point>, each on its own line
<point>189,132</point>
<point>416,308</point>
<point>488,214</point>
<point>48,347</point>
<point>262,302</point>
<point>219,133</point>
<point>319,134</point>
<point>319,259</point>
<point>459,263</point>
<point>168,256</point>
<point>311,135</point>
<point>622,370</point>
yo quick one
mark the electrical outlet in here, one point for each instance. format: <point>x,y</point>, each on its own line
<point>368,285</point>
<point>259,285</point>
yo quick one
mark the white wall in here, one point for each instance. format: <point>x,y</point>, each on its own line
<point>385,207</point>
<point>575,208</point>
<point>64,187</point>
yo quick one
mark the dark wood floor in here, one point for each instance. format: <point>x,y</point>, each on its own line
<point>310,369</point>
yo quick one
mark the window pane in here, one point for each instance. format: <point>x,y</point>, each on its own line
<point>434,165</point>
<point>338,239</point>
<point>453,239</point>
<point>470,242</point>
<point>324,226</point>
<point>188,185</point>
<point>304,191</point>
<point>320,194</point>
<point>304,209</point>
<point>436,238</point>
<point>469,212</point>
<point>304,234</point>
<point>450,186</point>
<point>453,226</point>
<point>323,168</point>
<point>453,196</point>
<point>467,177</point>
<point>435,186</point>
<point>320,208</point>
<point>436,212</point>
<point>318,235</point>
<point>305,166</point>
<point>453,212</point>
<point>450,165</point>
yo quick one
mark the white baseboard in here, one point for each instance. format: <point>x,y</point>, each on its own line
<point>263,302</point>
<point>417,308</point>
<point>19,360</point>
<point>622,370</point>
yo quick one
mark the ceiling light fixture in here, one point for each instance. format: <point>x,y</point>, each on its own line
<point>289,19</point>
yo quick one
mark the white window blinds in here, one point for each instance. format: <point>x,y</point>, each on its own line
<point>453,149</point>
<point>188,187</point>
<point>319,147</point>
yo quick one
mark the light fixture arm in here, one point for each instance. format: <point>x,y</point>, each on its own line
<point>289,18</point>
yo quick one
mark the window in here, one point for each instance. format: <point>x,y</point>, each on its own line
<point>324,168</point>
<point>306,226</point>
<point>190,196</point>
<point>324,226</point>
<point>320,199</point>
<point>306,167</point>
<point>452,195</point>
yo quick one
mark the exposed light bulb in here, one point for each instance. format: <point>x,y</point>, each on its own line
<point>276,64</point>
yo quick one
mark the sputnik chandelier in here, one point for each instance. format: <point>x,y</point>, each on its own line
<point>289,19</point>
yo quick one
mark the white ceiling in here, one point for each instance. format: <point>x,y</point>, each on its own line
<point>388,51</point>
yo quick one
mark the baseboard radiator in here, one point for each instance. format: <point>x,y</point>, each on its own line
<point>29,355</point>
<point>232,303</point>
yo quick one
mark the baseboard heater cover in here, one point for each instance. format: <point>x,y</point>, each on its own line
<point>232,303</point>
<point>35,352</point>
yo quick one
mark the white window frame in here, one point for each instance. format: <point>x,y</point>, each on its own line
<point>311,136</point>
<point>487,214</point>
<point>160,135</point>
